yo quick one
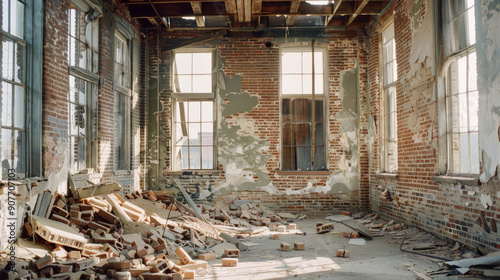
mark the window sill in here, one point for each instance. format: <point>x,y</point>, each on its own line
<point>469,181</point>
<point>304,173</point>
<point>193,172</point>
<point>393,176</point>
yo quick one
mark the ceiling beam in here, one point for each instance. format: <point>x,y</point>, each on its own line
<point>294,8</point>
<point>357,12</point>
<point>200,20</point>
<point>241,10</point>
<point>248,10</point>
<point>336,6</point>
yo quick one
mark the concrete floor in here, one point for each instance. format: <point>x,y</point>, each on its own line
<point>379,258</point>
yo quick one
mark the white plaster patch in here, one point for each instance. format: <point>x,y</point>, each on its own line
<point>486,200</point>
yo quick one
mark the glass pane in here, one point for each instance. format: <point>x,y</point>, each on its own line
<point>18,161</point>
<point>7,97</point>
<point>202,83</point>
<point>454,113</point>
<point>303,158</point>
<point>82,99</point>
<point>472,72</point>
<point>6,21</point>
<point>185,157</point>
<point>318,62</point>
<point>180,133</point>
<point>471,26</point>
<point>17,19</point>
<point>183,63</point>
<point>288,156</point>
<point>464,153</point>
<point>73,89</point>
<point>207,111</point>
<point>320,139</point>
<point>303,134</point>
<point>207,157</point>
<point>81,153</point>
<point>202,63</point>
<point>462,111</point>
<point>19,66</point>
<point>307,62</point>
<point>473,111</point>
<point>291,84</point>
<point>119,50</point>
<point>455,155</point>
<point>19,107</point>
<point>180,112</point>
<point>71,51</point>
<point>462,74</point>
<point>286,134</point>
<point>319,158</point>
<point>185,84</point>
<point>302,110</point>
<point>286,110</point>
<point>7,151</point>
<point>7,59</point>
<point>319,87</point>
<point>207,136</point>
<point>194,111</point>
<point>194,133</point>
<point>73,127</point>
<point>474,149</point>
<point>319,111</point>
<point>291,63</point>
<point>194,158</point>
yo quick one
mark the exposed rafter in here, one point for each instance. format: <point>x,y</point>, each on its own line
<point>357,12</point>
<point>200,20</point>
<point>294,8</point>
<point>248,10</point>
<point>336,6</point>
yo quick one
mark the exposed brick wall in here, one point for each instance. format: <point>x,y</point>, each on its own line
<point>258,67</point>
<point>451,210</point>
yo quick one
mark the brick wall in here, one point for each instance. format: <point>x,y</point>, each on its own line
<point>450,209</point>
<point>55,92</point>
<point>258,67</point>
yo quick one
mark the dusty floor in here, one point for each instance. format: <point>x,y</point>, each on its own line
<point>379,258</point>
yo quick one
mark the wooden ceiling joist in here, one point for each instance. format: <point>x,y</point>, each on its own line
<point>357,12</point>
<point>336,6</point>
<point>200,20</point>
<point>241,10</point>
<point>248,10</point>
<point>294,8</point>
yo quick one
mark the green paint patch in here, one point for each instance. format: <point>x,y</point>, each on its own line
<point>239,103</point>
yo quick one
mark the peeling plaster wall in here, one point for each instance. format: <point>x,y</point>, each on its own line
<point>488,62</point>
<point>248,128</point>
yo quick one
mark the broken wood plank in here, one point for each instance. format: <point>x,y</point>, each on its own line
<point>58,233</point>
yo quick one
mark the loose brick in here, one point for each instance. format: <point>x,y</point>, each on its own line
<point>207,256</point>
<point>291,227</point>
<point>281,228</point>
<point>231,253</point>
<point>183,256</point>
<point>74,255</point>
<point>285,246</point>
<point>299,246</point>
<point>229,262</point>
<point>43,262</point>
<point>188,274</point>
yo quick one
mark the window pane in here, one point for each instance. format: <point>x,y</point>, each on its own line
<point>303,134</point>
<point>472,72</point>
<point>291,63</point>
<point>202,83</point>
<point>286,110</point>
<point>462,113</point>
<point>180,133</point>
<point>302,110</point>
<point>288,158</point>
<point>194,133</point>
<point>207,112</point>
<point>81,153</point>
<point>7,97</point>
<point>464,153</point>
<point>308,84</point>
<point>73,89</point>
<point>319,111</point>
<point>185,83</point>
<point>82,99</point>
<point>194,158</point>
<point>6,21</point>
<point>319,158</point>
<point>7,151</point>
<point>194,112</point>
<point>474,144</point>
<point>19,105</point>
<point>19,67</point>
<point>303,158</point>
<point>17,19</point>
<point>207,157</point>
<point>319,138</point>
<point>287,135</point>
<point>183,63</point>
<point>291,84</point>
<point>8,59</point>
<point>185,157</point>
<point>462,74</point>
<point>471,26</point>
<point>207,134</point>
<point>473,111</point>
<point>202,63</point>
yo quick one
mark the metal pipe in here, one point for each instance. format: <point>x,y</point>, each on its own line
<point>420,254</point>
<point>313,109</point>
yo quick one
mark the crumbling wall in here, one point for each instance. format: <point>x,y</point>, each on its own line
<point>248,128</point>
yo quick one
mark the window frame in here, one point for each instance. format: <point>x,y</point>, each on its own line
<point>324,97</point>
<point>388,100</point>
<point>89,75</point>
<point>32,42</point>
<point>176,164</point>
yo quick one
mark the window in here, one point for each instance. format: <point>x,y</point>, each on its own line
<point>389,71</point>
<point>302,116</point>
<point>461,90</point>
<point>123,91</point>
<point>193,110</point>
<point>14,88</point>
<point>82,96</point>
